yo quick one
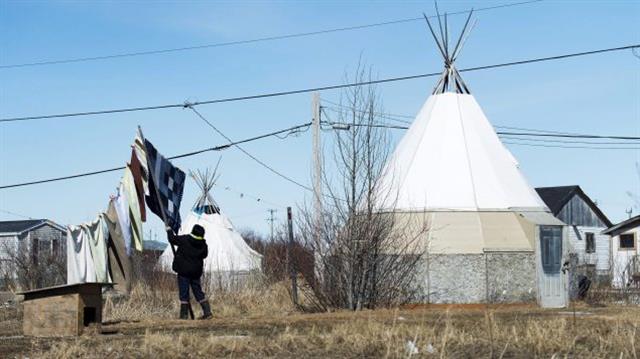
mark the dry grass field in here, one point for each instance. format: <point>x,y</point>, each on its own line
<point>260,322</point>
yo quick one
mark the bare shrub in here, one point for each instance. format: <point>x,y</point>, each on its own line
<point>274,254</point>
<point>363,258</point>
<point>24,268</point>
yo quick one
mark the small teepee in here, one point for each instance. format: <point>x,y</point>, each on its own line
<point>490,234</point>
<point>229,254</point>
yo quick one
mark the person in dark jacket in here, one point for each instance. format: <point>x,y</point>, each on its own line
<point>188,263</point>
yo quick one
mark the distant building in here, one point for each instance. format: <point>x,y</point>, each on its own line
<point>589,247</point>
<point>625,255</point>
<point>31,240</point>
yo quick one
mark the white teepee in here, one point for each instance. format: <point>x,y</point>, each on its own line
<point>490,237</point>
<point>451,157</point>
<point>228,252</point>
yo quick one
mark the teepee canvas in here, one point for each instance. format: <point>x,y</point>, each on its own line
<point>228,252</point>
<point>490,238</point>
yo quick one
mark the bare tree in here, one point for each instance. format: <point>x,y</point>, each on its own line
<point>635,197</point>
<point>23,268</point>
<point>364,258</point>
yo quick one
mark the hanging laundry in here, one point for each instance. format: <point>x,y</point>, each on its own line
<point>141,156</point>
<point>80,267</point>
<point>96,233</point>
<point>124,219</point>
<point>166,184</point>
<point>120,267</point>
<point>129,191</point>
<point>139,179</point>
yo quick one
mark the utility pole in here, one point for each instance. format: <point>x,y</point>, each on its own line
<point>290,260</point>
<point>272,219</point>
<point>629,212</point>
<point>317,182</point>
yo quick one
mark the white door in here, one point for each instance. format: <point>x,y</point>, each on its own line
<point>552,281</point>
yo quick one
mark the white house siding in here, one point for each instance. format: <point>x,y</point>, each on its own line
<point>582,219</point>
<point>620,259</point>
<point>578,242</point>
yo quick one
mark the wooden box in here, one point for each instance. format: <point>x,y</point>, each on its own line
<point>62,310</point>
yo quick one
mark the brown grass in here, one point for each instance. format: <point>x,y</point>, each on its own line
<point>491,332</point>
<point>160,301</point>
<point>258,320</point>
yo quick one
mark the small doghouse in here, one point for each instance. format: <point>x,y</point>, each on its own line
<point>62,310</point>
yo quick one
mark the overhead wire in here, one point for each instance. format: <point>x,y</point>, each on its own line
<point>501,133</point>
<point>257,160</point>
<point>397,117</point>
<point>569,141</point>
<point>315,89</point>
<point>188,154</point>
<point>248,41</point>
<point>563,146</point>
<point>15,214</point>
<point>243,194</point>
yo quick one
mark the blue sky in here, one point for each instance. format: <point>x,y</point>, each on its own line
<point>597,94</point>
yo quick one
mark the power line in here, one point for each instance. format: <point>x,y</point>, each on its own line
<point>535,130</point>
<point>255,198</point>
<point>502,133</point>
<point>396,117</point>
<point>15,214</point>
<point>249,154</point>
<point>316,89</point>
<point>567,136</point>
<point>216,148</point>
<point>569,141</point>
<point>562,146</point>
<point>248,41</point>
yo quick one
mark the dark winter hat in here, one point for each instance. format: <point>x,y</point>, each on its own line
<point>197,232</point>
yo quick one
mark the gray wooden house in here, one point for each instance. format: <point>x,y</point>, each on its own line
<point>625,253</point>
<point>590,249</point>
<point>32,241</point>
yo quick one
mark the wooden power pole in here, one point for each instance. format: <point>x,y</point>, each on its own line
<point>290,259</point>
<point>271,220</point>
<point>317,183</point>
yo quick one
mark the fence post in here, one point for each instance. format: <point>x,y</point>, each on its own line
<point>290,261</point>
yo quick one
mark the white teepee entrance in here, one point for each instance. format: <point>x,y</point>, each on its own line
<point>228,252</point>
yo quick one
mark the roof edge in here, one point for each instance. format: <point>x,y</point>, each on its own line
<point>622,226</point>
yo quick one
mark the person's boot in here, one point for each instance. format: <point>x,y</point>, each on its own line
<point>206,310</point>
<point>184,311</point>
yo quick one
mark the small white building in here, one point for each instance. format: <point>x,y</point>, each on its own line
<point>625,255</point>
<point>587,242</point>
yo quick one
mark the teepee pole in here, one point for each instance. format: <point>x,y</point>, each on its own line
<point>435,37</point>
<point>454,54</point>
<point>442,36</point>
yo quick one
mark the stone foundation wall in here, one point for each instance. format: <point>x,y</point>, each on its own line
<point>511,277</point>
<point>495,277</point>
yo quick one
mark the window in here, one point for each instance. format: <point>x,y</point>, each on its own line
<point>627,242</point>
<point>551,248</point>
<point>590,243</point>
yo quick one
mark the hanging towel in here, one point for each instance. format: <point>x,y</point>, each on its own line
<point>129,191</point>
<point>139,179</point>
<point>119,262</point>
<point>96,233</point>
<point>80,267</point>
<point>122,207</point>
